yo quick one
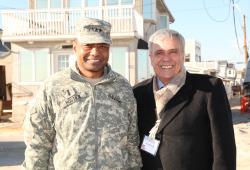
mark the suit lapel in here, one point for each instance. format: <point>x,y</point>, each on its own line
<point>175,105</point>
<point>151,94</point>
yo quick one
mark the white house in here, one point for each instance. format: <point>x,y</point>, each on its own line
<point>222,69</point>
<point>41,39</point>
<point>192,50</point>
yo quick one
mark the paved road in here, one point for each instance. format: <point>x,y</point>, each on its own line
<point>11,159</point>
<point>12,145</point>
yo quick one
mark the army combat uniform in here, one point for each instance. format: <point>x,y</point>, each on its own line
<point>76,125</point>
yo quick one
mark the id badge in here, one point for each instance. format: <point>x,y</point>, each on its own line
<point>150,145</point>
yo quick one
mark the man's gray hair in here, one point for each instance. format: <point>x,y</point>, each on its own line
<point>166,33</point>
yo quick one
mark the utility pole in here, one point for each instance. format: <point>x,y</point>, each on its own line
<point>245,40</point>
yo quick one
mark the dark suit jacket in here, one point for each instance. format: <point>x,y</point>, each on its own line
<point>196,130</point>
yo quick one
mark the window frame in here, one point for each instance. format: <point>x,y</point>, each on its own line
<point>149,69</point>
<point>152,7</point>
<point>56,54</point>
<point>48,4</point>
<point>166,21</point>
<point>73,7</point>
<point>126,64</point>
<point>119,2</point>
<point>33,80</point>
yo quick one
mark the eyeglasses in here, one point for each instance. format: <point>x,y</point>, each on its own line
<point>89,47</point>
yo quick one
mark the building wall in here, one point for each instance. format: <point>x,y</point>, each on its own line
<point>24,93</point>
<point>193,49</point>
<point>139,6</point>
<point>222,71</point>
<point>231,73</point>
<point>131,44</point>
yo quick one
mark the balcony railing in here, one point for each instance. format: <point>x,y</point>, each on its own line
<point>20,25</point>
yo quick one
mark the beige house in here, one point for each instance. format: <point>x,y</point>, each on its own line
<point>41,37</point>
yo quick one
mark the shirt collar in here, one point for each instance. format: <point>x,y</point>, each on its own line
<point>159,83</point>
<point>92,81</point>
<point>174,84</point>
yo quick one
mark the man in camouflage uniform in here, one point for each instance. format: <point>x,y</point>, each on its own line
<point>84,118</point>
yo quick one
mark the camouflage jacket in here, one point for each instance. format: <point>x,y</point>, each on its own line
<point>74,125</point>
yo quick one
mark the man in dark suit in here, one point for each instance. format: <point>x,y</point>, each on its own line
<point>184,119</point>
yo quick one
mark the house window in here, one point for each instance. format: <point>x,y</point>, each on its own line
<point>94,10</point>
<point>126,2</point>
<point>163,21</point>
<point>187,58</point>
<point>92,3</point>
<point>144,68</point>
<point>34,65</point>
<point>63,60</point>
<point>41,4</point>
<point>147,9</point>
<point>44,4</point>
<point>26,66</point>
<point>117,2</point>
<point>75,3</point>
<point>55,3</point>
<point>119,60</point>
<point>112,2</point>
<point>197,58</point>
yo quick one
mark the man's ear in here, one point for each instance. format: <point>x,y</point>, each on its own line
<point>150,55</point>
<point>74,47</point>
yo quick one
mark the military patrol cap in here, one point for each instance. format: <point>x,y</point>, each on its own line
<point>92,30</point>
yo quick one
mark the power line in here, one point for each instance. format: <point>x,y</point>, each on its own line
<point>235,29</point>
<point>213,18</point>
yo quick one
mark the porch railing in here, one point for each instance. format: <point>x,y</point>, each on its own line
<point>53,22</point>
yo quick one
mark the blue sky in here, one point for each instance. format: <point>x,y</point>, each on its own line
<point>199,20</point>
<point>15,4</point>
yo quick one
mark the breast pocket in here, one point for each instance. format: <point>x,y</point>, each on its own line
<point>72,112</point>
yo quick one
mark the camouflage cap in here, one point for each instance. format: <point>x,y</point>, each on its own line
<point>92,30</point>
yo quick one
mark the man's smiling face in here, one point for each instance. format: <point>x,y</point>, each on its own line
<point>91,58</point>
<point>167,58</point>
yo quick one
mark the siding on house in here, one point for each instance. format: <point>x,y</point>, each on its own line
<point>43,37</point>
